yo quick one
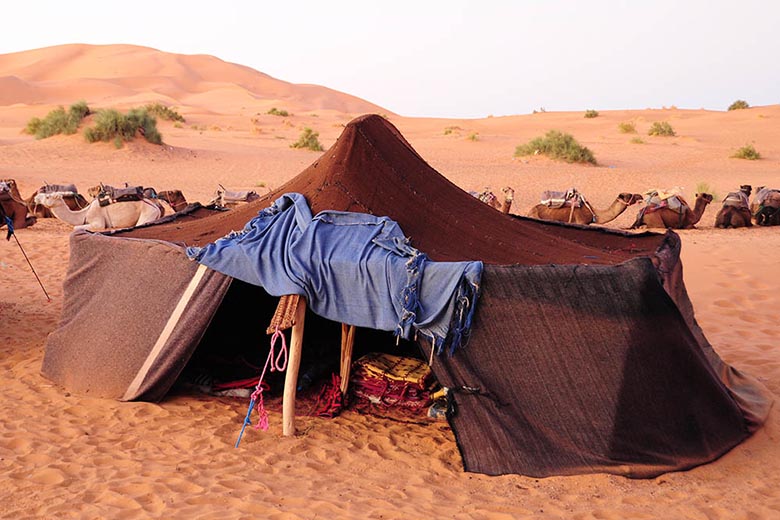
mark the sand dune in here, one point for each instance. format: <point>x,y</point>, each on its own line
<point>72,456</point>
<point>98,73</point>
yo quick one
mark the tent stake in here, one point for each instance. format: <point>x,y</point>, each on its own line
<point>347,342</point>
<point>293,365</point>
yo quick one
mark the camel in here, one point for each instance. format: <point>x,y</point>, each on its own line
<point>489,198</point>
<point>735,211</point>
<point>580,212</point>
<point>766,207</point>
<point>13,206</point>
<point>682,217</point>
<point>72,198</point>
<point>96,217</point>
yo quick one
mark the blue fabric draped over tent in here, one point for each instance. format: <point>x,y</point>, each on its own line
<point>353,268</point>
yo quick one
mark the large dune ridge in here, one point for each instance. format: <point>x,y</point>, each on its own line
<point>108,73</point>
<point>71,456</point>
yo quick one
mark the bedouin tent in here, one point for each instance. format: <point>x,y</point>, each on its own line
<point>584,354</point>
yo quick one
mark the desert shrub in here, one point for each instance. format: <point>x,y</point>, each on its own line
<point>627,128</point>
<point>276,112</point>
<point>308,139</point>
<point>111,125</point>
<point>58,121</point>
<point>637,140</point>
<point>474,136</point>
<point>739,105</point>
<point>747,152</point>
<point>163,112</point>
<point>589,114</point>
<point>704,187</point>
<point>661,128</point>
<point>450,129</point>
<point>557,145</point>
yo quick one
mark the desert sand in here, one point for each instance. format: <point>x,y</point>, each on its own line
<point>69,456</point>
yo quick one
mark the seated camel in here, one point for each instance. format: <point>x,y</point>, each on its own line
<point>489,198</point>
<point>735,211</point>
<point>72,198</point>
<point>766,207</point>
<point>671,212</point>
<point>13,206</point>
<point>570,206</point>
<point>96,217</point>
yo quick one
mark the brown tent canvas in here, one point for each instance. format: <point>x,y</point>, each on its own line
<point>584,355</point>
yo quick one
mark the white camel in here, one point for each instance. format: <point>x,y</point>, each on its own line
<point>96,217</point>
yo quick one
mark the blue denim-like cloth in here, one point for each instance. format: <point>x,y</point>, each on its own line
<point>353,268</point>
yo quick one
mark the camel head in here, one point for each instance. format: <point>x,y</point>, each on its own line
<point>630,198</point>
<point>706,197</point>
<point>747,189</point>
<point>51,198</point>
<point>94,191</point>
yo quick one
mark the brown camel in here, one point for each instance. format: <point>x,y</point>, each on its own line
<point>675,217</point>
<point>735,211</point>
<point>13,205</point>
<point>71,196</point>
<point>766,207</point>
<point>576,210</point>
<point>173,197</point>
<point>489,198</point>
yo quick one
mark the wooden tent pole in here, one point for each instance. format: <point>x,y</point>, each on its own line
<point>293,365</point>
<point>347,342</point>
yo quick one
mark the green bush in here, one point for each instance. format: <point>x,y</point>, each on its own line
<point>58,121</point>
<point>557,145</point>
<point>111,125</point>
<point>661,128</point>
<point>275,112</point>
<point>747,152</point>
<point>739,105</point>
<point>308,139</point>
<point>627,128</point>
<point>589,114</point>
<point>163,112</point>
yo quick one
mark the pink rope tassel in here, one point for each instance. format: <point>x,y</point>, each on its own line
<point>277,363</point>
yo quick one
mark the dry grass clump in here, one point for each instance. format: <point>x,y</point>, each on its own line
<point>661,128</point>
<point>747,152</point>
<point>58,121</point>
<point>558,146</point>
<point>309,140</point>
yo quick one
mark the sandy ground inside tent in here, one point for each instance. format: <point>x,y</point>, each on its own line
<point>64,455</point>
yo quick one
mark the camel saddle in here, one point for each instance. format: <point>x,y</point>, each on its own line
<point>109,194</point>
<point>768,198</point>
<point>656,200</point>
<point>563,199</point>
<point>238,196</point>
<point>738,199</point>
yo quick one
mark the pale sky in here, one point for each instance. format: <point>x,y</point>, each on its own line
<point>455,58</point>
